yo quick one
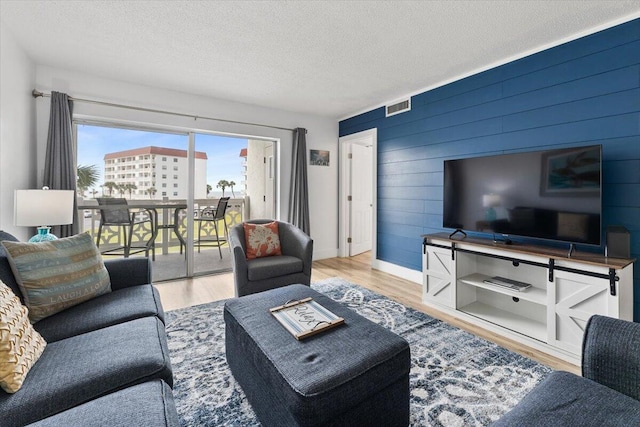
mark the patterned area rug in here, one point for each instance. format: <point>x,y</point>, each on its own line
<point>457,379</point>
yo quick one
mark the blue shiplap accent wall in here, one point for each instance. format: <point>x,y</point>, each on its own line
<point>583,92</point>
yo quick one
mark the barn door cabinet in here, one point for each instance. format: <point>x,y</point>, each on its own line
<point>550,315</point>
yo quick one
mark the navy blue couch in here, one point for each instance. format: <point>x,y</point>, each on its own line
<point>607,393</point>
<point>106,360</point>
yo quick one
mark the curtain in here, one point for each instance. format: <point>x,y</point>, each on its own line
<point>60,167</point>
<point>299,195</point>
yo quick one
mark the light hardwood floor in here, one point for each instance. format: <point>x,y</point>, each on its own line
<point>200,290</point>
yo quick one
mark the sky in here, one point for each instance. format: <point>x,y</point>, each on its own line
<point>223,153</point>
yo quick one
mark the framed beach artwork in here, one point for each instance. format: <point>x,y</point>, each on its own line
<point>319,157</point>
<point>571,173</point>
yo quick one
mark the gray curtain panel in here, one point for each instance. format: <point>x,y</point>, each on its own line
<point>299,194</point>
<point>60,167</point>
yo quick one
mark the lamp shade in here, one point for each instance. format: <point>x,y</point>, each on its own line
<point>34,208</point>
<point>491,200</point>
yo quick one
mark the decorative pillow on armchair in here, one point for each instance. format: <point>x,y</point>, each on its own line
<point>262,240</point>
<point>57,274</point>
<point>20,344</point>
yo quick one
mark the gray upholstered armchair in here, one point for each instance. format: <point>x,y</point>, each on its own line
<point>261,274</point>
<point>607,393</point>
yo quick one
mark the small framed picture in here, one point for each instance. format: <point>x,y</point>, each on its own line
<point>319,157</point>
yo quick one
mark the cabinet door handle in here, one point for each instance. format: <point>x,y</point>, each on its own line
<point>612,281</point>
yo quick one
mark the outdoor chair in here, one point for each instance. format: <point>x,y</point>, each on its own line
<point>123,218</point>
<point>212,216</point>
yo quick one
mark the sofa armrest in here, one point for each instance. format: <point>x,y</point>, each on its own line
<point>611,354</point>
<point>297,243</point>
<point>240,269</point>
<point>126,272</point>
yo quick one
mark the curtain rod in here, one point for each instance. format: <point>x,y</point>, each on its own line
<point>37,94</point>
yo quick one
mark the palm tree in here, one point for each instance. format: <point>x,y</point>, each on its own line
<point>209,188</point>
<point>231,184</point>
<point>151,191</point>
<point>87,177</point>
<point>121,189</point>
<point>110,186</point>
<point>130,187</point>
<point>93,192</point>
<point>223,183</point>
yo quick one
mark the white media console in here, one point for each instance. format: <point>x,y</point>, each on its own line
<point>550,315</point>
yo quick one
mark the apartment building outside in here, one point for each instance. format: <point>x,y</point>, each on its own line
<point>164,170</point>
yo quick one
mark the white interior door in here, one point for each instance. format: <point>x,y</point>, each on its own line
<point>361,205</point>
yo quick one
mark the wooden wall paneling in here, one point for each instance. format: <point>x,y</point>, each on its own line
<point>585,109</point>
<point>583,92</point>
<point>621,171</point>
<point>600,62</point>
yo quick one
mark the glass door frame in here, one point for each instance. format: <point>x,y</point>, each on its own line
<point>191,148</point>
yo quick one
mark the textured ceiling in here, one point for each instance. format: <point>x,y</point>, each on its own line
<point>332,58</point>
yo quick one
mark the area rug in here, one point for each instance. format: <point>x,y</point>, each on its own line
<point>456,379</point>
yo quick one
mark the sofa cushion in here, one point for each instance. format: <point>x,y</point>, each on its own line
<point>146,404</point>
<point>6,274</point>
<point>103,311</point>
<point>20,344</point>
<point>57,274</point>
<point>565,399</point>
<point>267,268</point>
<point>262,240</point>
<point>76,370</point>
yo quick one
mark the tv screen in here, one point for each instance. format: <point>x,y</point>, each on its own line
<point>552,194</point>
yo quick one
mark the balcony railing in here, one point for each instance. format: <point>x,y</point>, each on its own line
<point>166,240</point>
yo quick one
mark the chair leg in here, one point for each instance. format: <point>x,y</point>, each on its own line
<point>99,234</point>
<point>226,231</point>
<point>127,241</point>
<point>215,225</point>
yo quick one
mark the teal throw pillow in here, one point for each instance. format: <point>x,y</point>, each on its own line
<point>57,274</point>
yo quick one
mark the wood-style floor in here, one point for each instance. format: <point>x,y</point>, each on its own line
<point>200,290</point>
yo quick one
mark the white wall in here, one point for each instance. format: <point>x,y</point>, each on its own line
<point>17,130</point>
<point>322,134</point>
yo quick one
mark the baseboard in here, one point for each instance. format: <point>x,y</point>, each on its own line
<point>324,254</point>
<point>396,270</point>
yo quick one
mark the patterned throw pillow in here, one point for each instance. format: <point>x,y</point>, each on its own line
<point>262,240</point>
<point>20,344</point>
<point>57,274</point>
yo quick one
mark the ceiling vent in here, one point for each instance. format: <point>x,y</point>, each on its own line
<point>398,107</point>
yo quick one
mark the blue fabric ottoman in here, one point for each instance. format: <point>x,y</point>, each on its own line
<point>354,374</point>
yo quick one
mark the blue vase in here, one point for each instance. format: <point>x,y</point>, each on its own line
<point>490,215</point>
<point>43,235</point>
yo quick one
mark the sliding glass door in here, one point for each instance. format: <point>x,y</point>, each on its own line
<point>148,169</point>
<point>176,181</point>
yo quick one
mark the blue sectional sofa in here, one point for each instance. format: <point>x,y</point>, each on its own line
<point>607,393</point>
<point>106,359</point>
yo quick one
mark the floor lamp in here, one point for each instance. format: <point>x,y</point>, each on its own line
<point>43,208</point>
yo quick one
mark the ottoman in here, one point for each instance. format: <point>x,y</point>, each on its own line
<point>353,374</point>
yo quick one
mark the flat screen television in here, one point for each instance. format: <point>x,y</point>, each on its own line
<point>552,194</point>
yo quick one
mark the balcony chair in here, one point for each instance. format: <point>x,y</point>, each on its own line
<point>125,220</point>
<point>261,274</point>
<point>213,216</point>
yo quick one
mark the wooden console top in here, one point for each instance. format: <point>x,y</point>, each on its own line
<point>524,248</point>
